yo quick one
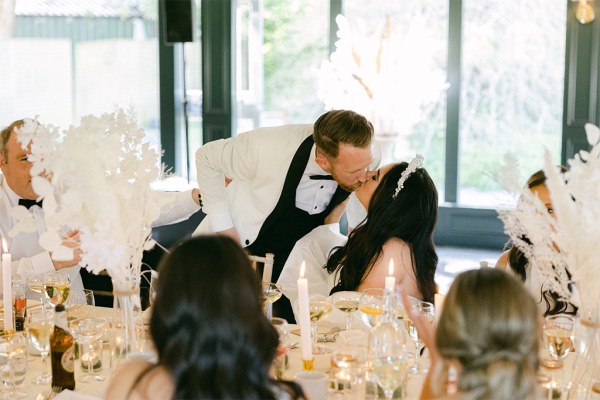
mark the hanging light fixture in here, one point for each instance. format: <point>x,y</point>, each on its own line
<point>584,12</point>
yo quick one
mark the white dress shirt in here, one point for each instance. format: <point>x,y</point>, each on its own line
<point>29,258</point>
<point>313,196</point>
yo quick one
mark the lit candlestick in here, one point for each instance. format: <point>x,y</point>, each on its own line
<point>390,280</point>
<point>9,323</point>
<point>304,319</point>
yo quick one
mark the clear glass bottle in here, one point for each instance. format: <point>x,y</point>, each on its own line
<point>387,351</point>
<point>19,302</point>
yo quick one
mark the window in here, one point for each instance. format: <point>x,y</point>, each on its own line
<point>63,61</point>
<point>398,51</point>
<point>279,48</point>
<point>511,95</point>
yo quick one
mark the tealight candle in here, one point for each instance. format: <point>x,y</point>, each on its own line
<point>9,322</point>
<point>390,280</point>
<point>304,319</point>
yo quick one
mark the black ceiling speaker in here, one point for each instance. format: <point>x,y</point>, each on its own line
<point>178,21</point>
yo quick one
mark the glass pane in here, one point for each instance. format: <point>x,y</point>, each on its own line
<point>193,85</point>
<point>390,65</point>
<point>279,50</point>
<point>512,90</point>
<point>64,60</point>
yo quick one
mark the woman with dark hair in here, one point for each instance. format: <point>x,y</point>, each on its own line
<point>515,262</point>
<point>212,338</point>
<point>402,214</point>
<point>488,331</point>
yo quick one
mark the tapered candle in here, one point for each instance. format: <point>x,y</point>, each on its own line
<point>9,323</point>
<point>304,319</point>
<point>390,280</point>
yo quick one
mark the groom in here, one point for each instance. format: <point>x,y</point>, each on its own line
<point>284,181</point>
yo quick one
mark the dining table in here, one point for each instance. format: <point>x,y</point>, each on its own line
<point>329,333</point>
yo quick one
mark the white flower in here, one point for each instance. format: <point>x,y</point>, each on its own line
<point>95,178</point>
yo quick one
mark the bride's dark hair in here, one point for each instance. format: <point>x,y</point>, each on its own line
<point>411,216</point>
<point>208,326</point>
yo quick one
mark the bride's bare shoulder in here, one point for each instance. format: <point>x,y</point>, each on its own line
<point>151,382</point>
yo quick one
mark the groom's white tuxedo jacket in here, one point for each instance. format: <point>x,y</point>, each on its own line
<point>257,162</point>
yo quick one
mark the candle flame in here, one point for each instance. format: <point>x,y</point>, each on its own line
<point>4,246</point>
<point>391,268</point>
<point>302,268</point>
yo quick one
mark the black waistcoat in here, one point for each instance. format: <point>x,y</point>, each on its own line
<point>287,223</point>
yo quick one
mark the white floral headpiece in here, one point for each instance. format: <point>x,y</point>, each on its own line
<point>415,163</point>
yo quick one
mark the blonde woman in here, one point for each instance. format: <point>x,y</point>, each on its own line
<point>488,330</point>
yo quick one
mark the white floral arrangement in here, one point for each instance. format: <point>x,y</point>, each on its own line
<point>386,76</point>
<point>568,243</point>
<point>95,178</point>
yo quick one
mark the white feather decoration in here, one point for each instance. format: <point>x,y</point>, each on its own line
<point>99,184</point>
<point>568,243</point>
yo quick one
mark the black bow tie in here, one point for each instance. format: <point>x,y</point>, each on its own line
<point>321,177</point>
<point>28,203</point>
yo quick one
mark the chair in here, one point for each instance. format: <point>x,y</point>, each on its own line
<point>267,262</point>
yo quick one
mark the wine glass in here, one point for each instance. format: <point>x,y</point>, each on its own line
<point>87,331</point>
<point>57,286</point>
<point>428,310</point>
<point>35,283</point>
<point>40,326</point>
<point>346,302</point>
<point>319,308</point>
<point>13,363</point>
<point>81,305</point>
<point>271,293</point>
<point>371,305</point>
<point>558,337</point>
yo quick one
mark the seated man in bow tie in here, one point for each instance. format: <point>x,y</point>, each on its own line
<point>285,181</point>
<point>29,258</point>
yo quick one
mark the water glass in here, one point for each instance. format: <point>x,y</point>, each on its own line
<point>88,332</point>
<point>13,364</point>
<point>280,363</point>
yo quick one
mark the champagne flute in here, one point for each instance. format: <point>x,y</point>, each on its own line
<point>558,337</point>
<point>346,302</point>
<point>271,293</point>
<point>35,283</point>
<point>40,326</point>
<point>428,310</point>
<point>87,331</point>
<point>319,309</point>
<point>57,286</point>
<point>13,363</point>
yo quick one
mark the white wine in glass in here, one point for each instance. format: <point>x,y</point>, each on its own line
<point>319,309</point>
<point>35,283</point>
<point>371,305</point>
<point>558,337</point>
<point>346,302</point>
<point>57,287</point>
<point>40,326</point>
